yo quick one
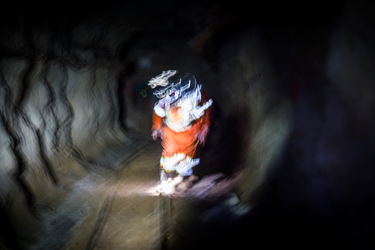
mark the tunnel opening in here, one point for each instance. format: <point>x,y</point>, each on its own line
<point>289,149</point>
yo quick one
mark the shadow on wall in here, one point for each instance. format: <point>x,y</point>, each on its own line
<point>224,147</point>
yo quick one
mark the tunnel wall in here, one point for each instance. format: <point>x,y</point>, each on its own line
<point>319,184</point>
<point>59,112</point>
<point>262,113</point>
<point>310,147</point>
<point>274,75</point>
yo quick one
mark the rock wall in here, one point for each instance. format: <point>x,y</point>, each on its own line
<point>259,111</point>
<point>59,112</point>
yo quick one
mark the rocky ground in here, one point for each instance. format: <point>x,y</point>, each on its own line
<point>123,210</point>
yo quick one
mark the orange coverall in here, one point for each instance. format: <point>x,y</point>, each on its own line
<point>185,142</point>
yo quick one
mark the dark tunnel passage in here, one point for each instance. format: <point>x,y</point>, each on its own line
<point>288,160</point>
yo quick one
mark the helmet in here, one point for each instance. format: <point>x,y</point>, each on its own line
<point>178,91</point>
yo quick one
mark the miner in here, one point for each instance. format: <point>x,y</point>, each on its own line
<point>181,119</point>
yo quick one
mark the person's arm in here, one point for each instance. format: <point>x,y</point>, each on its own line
<point>207,114</point>
<point>205,120</point>
<point>157,123</point>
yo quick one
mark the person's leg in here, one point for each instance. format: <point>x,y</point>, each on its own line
<point>171,174</point>
<point>163,175</point>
